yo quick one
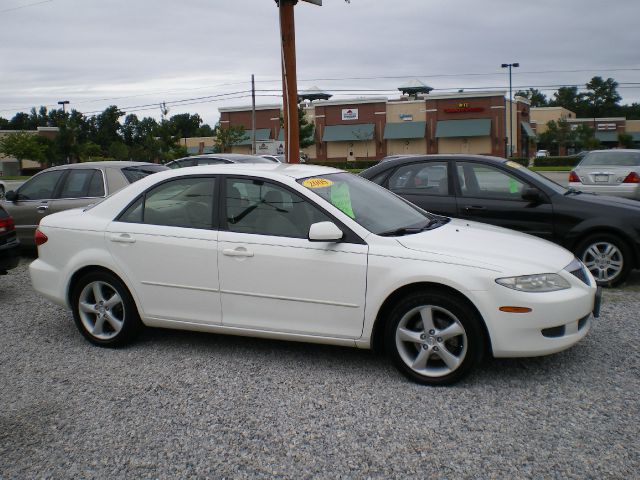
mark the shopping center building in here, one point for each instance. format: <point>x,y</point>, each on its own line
<point>370,128</point>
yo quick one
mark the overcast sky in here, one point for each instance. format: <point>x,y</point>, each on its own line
<point>138,53</point>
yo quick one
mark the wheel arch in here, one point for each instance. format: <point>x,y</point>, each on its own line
<point>377,334</point>
<point>73,281</point>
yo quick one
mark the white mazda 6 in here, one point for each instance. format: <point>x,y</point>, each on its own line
<point>314,254</point>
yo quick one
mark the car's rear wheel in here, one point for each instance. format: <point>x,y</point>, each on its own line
<point>434,338</point>
<point>607,257</point>
<point>104,310</point>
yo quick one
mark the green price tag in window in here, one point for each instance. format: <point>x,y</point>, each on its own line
<point>513,186</point>
<point>341,199</point>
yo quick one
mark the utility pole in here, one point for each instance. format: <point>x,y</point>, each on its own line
<point>289,80</point>
<point>253,115</point>
<point>509,65</point>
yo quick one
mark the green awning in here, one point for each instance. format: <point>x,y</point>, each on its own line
<point>607,136</point>
<point>404,130</point>
<point>635,136</point>
<point>347,133</point>
<point>528,130</point>
<point>480,127</point>
<point>261,134</point>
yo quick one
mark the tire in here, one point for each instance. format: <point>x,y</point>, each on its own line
<point>2,192</point>
<point>104,310</point>
<point>608,258</point>
<point>450,346</point>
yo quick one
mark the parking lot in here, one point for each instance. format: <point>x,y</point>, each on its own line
<point>178,404</point>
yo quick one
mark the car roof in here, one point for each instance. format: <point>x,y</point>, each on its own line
<point>104,164</point>
<point>399,159</point>
<point>270,170</point>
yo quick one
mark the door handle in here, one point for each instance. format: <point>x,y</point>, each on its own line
<point>238,252</point>
<point>42,208</point>
<point>122,238</point>
<point>474,208</point>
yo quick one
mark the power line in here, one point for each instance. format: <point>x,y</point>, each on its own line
<point>25,6</point>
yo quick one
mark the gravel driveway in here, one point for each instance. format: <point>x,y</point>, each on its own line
<point>178,405</point>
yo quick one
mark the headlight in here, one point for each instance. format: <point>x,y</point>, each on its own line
<point>543,282</point>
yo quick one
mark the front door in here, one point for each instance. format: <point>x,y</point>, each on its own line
<point>272,278</point>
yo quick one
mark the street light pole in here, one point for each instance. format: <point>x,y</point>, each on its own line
<point>64,103</point>
<point>509,65</point>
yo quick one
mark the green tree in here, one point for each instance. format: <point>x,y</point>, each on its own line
<point>305,129</point>
<point>186,125</point>
<point>118,151</point>
<point>558,136</point>
<point>225,137</point>
<point>22,146</point>
<point>585,137</point>
<point>106,127</point>
<point>20,121</point>
<point>569,98</point>
<point>602,97</point>
<point>535,97</point>
<point>625,140</point>
<point>4,124</point>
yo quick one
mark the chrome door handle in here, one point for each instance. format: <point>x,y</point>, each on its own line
<point>122,238</point>
<point>42,208</point>
<point>239,252</point>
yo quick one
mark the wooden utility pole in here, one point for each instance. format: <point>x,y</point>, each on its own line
<point>289,81</point>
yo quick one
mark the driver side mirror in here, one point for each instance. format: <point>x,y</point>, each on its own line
<point>325,232</point>
<point>11,196</point>
<point>531,194</point>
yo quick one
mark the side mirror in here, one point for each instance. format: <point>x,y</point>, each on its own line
<point>325,232</point>
<point>533,195</point>
<point>11,196</point>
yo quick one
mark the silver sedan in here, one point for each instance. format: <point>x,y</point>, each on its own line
<point>608,172</point>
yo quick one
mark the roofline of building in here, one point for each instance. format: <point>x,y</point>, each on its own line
<point>597,119</point>
<point>245,108</point>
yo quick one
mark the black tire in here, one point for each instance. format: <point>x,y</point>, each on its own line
<point>607,256</point>
<point>104,310</point>
<point>455,331</point>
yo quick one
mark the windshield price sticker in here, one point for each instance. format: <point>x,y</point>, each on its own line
<point>513,164</point>
<point>317,183</point>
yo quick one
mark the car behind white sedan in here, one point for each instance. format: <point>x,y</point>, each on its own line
<point>312,254</point>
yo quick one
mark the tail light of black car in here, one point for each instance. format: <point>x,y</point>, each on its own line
<point>7,225</point>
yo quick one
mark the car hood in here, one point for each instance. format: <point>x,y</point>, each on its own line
<point>488,246</point>
<point>633,206</point>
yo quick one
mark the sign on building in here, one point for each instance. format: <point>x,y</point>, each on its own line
<point>349,114</point>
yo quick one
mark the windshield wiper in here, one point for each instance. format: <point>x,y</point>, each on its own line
<point>572,191</point>
<point>398,232</point>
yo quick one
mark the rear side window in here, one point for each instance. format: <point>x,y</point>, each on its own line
<point>83,183</point>
<point>185,202</point>
<point>620,159</point>
<point>421,178</point>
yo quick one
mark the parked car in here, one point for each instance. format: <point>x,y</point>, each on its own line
<point>9,245</point>
<point>3,188</point>
<point>69,186</point>
<point>542,153</point>
<point>604,232</point>
<point>215,159</point>
<point>608,172</point>
<point>313,254</point>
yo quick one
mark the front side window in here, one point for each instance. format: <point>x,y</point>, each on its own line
<point>484,181</point>
<point>265,208</point>
<point>40,187</point>
<point>373,207</point>
<point>83,183</point>
<point>421,178</point>
<point>186,202</point>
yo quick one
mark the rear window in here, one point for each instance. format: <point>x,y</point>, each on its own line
<point>613,158</point>
<point>138,172</point>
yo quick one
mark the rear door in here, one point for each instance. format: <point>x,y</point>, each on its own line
<point>492,195</point>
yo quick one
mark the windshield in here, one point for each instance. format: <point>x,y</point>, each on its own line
<point>373,207</point>
<point>621,159</point>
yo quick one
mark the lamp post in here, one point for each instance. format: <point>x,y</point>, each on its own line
<point>64,103</point>
<point>509,66</point>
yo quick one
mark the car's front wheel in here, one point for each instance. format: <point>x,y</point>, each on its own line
<point>434,338</point>
<point>607,257</point>
<point>104,310</point>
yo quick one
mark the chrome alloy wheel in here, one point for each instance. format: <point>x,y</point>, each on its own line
<point>604,260</point>
<point>431,341</point>
<point>101,310</point>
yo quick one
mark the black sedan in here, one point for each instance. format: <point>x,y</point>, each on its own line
<point>604,232</point>
<point>9,245</point>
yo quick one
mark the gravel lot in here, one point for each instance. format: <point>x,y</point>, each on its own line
<point>177,405</point>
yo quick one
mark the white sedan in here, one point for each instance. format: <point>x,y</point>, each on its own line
<point>312,254</point>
